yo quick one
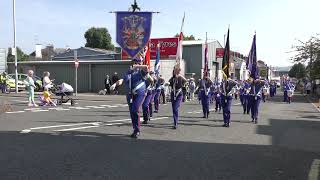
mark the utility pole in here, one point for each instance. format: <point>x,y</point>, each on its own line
<point>15,46</point>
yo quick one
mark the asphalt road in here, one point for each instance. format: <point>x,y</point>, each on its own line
<point>90,141</point>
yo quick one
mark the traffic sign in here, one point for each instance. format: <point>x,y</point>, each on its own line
<point>76,63</point>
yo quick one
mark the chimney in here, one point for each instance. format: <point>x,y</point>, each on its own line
<point>38,51</point>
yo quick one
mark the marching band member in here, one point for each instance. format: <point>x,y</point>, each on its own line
<point>158,88</point>
<point>290,90</point>
<point>255,97</point>
<point>226,98</point>
<point>265,91</point>
<point>205,85</point>
<point>146,102</point>
<point>217,96</point>
<point>245,91</point>
<point>135,81</point>
<point>177,81</point>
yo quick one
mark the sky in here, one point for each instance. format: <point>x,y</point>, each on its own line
<point>277,23</point>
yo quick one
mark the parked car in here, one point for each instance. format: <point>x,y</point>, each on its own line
<point>22,77</point>
<point>11,84</point>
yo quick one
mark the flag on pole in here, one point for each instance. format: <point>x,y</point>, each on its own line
<point>179,50</point>
<point>157,63</point>
<point>206,63</point>
<point>226,59</point>
<point>147,55</point>
<point>252,60</point>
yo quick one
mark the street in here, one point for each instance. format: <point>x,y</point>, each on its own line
<point>90,141</point>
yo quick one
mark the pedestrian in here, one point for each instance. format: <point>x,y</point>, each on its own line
<point>135,81</point>
<point>107,84</point>
<point>246,97</point>
<point>115,79</point>
<point>46,82</point>
<point>205,85</point>
<point>3,82</point>
<point>192,88</point>
<point>29,82</point>
<point>308,87</point>
<point>228,89</point>
<point>177,81</point>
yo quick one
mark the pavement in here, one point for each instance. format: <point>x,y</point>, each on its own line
<point>90,141</point>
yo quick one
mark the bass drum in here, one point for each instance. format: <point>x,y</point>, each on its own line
<point>290,93</point>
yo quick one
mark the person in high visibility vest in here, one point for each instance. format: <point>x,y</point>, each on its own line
<point>3,82</point>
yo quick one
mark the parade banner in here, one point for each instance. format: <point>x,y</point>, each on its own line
<point>133,31</point>
<point>168,48</point>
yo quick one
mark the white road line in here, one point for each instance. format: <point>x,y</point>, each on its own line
<point>91,106</point>
<point>99,107</point>
<point>237,104</point>
<point>316,106</point>
<point>40,110</point>
<point>87,127</point>
<point>15,112</point>
<point>59,109</point>
<point>101,125</point>
<point>81,108</point>
<point>31,109</point>
<point>19,101</point>
<point>314,173</point>
<point>57,126</point>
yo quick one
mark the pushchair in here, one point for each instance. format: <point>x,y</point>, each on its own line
<point>65,91</point>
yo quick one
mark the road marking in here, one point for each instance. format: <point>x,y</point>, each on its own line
<point>99,107</point>
<point>19,101</point>
<point>237,104</point>
<point>314,170</point>
<point>57,126</point>
<point>40,110</point>
<point>91,106</point>
<point>15,112</point>
<point>316,106</point>
<point>81,108</point>
<point>59,109</point>
<point>30,109</point>
<point>100,125</point>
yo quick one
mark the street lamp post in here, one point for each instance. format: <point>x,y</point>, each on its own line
<point>15,46</point>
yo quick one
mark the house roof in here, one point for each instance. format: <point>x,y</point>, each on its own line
<point>85,53</point>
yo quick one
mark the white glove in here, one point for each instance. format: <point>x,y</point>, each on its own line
<point>113,87</point>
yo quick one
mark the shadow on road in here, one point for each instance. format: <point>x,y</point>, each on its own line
<point>82,155</point>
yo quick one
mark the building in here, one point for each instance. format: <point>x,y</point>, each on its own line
<point>276,73</point>
<point>46,54</point>
<point>3,60</point>
<point>193,54</point>
<point>86,53</point>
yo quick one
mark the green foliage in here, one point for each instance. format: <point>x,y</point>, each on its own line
<point>186,38</point>
<point>298,71</point>
<point>98,38</point>
<point>309,51</point>
<point>21,55</point>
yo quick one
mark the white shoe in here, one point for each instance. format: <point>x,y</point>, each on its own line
<point>30,105</point>
<point>36,105</point>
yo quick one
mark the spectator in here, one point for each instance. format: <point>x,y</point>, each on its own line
<point>30,87</point>
<point>107,84</point>
<point>115,79</point>
<point>162,94</point>
<point>46,82</point>
<point>308,87</point>
<point>3,82</point>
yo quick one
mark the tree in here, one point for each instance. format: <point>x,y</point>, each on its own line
<point>186,38</point>
<point>98,38</point>
<point>309,51</point>
<point>298,71</point>
<point>21,55</point>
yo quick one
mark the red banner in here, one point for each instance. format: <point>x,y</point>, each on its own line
<point>219,52</point>
<point>168,48</point>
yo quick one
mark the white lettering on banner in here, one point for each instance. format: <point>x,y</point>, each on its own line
<point>164,44</point>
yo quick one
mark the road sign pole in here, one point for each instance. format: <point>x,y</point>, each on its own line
<point>76,72</point>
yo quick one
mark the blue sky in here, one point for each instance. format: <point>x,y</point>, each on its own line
<point>63,22</point>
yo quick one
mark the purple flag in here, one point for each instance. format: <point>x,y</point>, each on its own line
<point>252,60</point>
